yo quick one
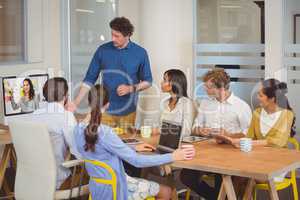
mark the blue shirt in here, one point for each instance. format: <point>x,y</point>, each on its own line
<point>129,66</point>
<point>111,150</point>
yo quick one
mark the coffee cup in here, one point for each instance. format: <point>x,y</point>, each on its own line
<point>246,144</point>
<point>146,131</point>
<point>187,146</point>
<point>189,151</point>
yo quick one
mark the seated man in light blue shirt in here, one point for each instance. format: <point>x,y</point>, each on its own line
<point>60,123</point>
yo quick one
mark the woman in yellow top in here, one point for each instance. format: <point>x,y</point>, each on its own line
<point>271,125</point>
<point>274,121</point>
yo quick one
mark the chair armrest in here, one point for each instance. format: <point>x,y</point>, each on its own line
<point>72,163</point>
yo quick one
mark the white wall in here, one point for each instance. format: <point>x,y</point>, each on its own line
<point>52,34</point>
<point>131,10</point>
<point>165,30</point>
<point>43,39</point>
<point>274,12</point>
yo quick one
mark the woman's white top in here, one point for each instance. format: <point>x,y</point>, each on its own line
<point>267,121</point>
<point>183,113</point>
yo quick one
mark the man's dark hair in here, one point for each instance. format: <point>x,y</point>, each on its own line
<point>122,25</point>
<point>55,89</point>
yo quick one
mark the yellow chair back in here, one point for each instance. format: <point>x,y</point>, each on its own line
<point>294,142</point>
<point>112,181</point>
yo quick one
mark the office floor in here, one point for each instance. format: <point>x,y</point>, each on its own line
<point>286,194</point>
<point>262,195</point>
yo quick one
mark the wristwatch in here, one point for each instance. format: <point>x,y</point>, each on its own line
<point>134,88</point>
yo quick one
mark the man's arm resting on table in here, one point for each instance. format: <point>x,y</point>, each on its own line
<point>233,135</point>
<point>201,131</point>
<point>236,135</point>
<point>259,142</point>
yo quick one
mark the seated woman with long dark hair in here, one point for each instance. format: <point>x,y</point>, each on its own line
<point>178,107</point>
<point>274,121</point>
<point>99,142</point>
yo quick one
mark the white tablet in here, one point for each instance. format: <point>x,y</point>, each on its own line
<point>192,139</point>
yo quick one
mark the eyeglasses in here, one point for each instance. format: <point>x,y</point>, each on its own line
<point>208,86</point>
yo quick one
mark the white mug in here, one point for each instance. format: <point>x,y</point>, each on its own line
<point>246,144</point>
<point>146,131</point>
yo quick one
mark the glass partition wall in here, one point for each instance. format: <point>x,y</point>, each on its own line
<point>292,55</point>
<point>12,31</point>
<point>85,26</point>
<point>230,35</point>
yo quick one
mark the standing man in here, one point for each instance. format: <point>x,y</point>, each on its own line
<point>125,71</point>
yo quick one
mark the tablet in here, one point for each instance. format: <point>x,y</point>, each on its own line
<point>223,138</point>
<point>192,139</point>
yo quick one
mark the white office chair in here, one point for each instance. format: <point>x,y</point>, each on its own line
<point>36,165</point>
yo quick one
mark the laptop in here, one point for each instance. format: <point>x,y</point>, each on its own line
<point>170,137</point>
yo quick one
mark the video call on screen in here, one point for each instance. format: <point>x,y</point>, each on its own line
<point>13,94</point>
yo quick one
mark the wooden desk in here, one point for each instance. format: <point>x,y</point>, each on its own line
<point>262,163</point>
<point>8,155</point>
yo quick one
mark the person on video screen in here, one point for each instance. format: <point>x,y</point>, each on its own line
<point>29,100</point>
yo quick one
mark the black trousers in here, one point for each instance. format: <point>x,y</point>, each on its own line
<point>192,179</point>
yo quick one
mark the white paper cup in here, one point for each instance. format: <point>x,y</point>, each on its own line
<point>146,131</point>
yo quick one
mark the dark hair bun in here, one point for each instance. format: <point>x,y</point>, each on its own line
<point>283,87</point>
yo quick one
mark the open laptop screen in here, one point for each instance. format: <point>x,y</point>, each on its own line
<point>170,134</point>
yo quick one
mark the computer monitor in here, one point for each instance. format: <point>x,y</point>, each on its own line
<point>13,91</point>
